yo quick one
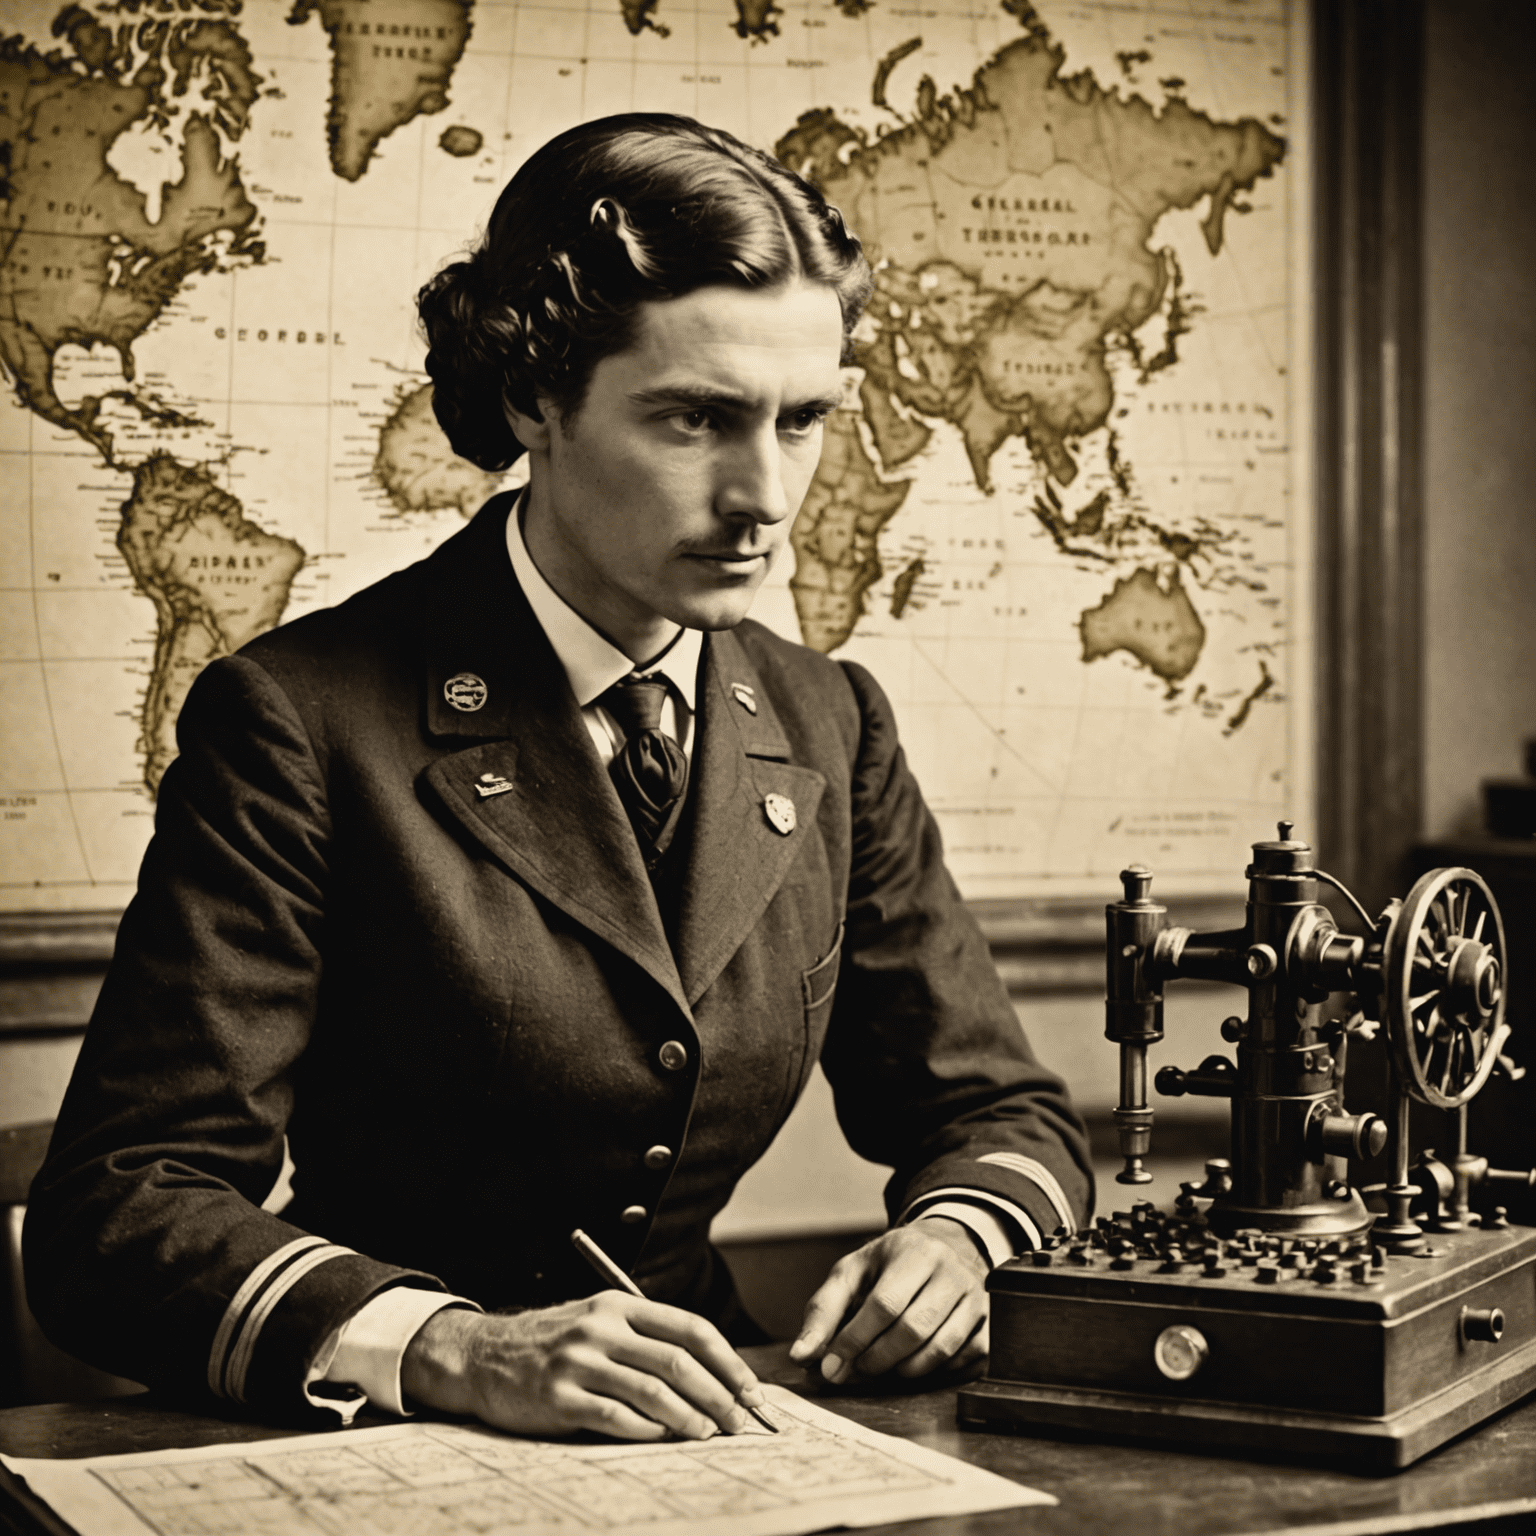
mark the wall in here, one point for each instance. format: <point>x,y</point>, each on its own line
<point>1480,402</point>
<point>810,1181</point>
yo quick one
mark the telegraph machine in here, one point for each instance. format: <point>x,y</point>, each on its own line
<point>1279,1306</point>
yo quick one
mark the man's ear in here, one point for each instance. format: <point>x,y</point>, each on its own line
<point>531,431</point>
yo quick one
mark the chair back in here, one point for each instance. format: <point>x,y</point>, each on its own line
<point>31,1369</point>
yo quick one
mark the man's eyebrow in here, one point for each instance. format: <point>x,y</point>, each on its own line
<point>701,396</point>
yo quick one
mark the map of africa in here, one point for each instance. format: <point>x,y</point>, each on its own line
<point>1056,515</point>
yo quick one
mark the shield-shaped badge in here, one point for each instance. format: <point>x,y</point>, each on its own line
<point>780,811</point>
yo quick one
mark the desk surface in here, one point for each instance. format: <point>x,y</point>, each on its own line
<point>1486,1475</point>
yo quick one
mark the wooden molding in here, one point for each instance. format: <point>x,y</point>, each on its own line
<point>1367,80</point>
<point>1057,946</point>
<point>51,965</point>
<point>54,939</point>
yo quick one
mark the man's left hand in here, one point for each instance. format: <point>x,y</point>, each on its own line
<point>914,1300</point>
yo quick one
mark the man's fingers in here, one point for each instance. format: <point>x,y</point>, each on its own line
<point>685,1378</point>
<point>955,1343</point>
<point>581,1409</point>
<point>693,1356</point>
<point>886,1303</point>
<point>653,1398</point>
<point>618,1364</point>
<point>927,1308</point>
<point>825,1311</point>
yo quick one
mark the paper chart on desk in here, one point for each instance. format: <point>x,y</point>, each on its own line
<point>819,1472</point>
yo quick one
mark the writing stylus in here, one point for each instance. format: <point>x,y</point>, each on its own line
<point>621,1282</point>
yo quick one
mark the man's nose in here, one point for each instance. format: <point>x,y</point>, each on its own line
<point>753,483</point>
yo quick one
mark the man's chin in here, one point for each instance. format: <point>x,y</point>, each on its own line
<point>716,611</point>
<point>714,625</point>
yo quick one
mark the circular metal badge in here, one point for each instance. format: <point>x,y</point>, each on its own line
<point>1180,1351</point>
<point>465,692</point>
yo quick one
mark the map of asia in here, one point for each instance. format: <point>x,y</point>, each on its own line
<point>1056,516</point>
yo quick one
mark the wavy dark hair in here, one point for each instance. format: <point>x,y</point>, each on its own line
<point>641,206</point>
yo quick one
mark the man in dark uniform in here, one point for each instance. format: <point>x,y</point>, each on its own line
<point>523,891</point>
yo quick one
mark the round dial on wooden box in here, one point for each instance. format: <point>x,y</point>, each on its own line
<point>1180,1351</point>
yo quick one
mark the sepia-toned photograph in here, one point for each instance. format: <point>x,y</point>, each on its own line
<point>767,766</point>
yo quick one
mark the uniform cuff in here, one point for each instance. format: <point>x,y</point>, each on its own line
<point>999,1226</point>
<point>366,1351</point>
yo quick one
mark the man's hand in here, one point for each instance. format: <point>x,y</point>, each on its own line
<point>915,1299</point>
<point>612,1363</point>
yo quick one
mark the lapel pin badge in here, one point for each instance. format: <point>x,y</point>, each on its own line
<point>492,784</point>
<point>465,692</point>
<point>780,811</point>
<point>745,697</point>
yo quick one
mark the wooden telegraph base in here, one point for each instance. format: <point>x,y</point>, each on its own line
<point>1375,1372</point>
<point>1378,1445</point>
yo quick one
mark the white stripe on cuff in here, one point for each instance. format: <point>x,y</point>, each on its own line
<point>264,1287</point>
<point>245,1344</point>
<point>249,1288</point>
<point>1040,1176</point>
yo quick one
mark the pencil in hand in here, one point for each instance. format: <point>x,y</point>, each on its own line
<point>622,1282</point>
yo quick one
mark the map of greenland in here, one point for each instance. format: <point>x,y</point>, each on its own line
<point>1010,225</point>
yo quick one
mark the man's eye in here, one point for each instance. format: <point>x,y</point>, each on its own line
<point>805,421</point>
<point>694,421</point>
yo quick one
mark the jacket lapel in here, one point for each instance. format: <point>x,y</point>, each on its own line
<point>527,784</point>
<point>737,860</point>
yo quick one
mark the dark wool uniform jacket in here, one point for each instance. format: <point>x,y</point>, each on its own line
<point>422,943</point>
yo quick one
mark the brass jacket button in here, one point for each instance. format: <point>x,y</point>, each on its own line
<point>658,1157</point>
<point>673,1055</point>
<point>633,1213</point>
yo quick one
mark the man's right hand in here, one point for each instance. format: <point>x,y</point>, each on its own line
<point>617,1364</point>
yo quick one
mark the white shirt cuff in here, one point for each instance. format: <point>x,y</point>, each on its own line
<point>1001,1227</point>
<point>367,1349</point>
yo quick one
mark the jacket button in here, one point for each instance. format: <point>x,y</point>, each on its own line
<point>658,1157</point>
<point>633,1213</point>
<point>673,1055</point>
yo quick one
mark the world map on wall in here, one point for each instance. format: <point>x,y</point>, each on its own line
<point>1055,515</point>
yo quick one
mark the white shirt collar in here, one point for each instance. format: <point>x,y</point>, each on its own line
<point>592,664</point>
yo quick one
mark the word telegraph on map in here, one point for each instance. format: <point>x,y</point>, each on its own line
<point>1279,1305</point>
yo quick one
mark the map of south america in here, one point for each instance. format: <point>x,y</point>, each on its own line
<point>215,578</point>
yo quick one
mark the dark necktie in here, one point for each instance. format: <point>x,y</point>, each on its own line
<point>649,771</point>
